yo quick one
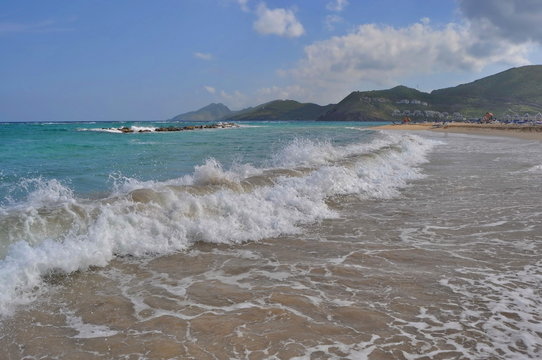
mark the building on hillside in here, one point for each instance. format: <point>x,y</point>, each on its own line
<point>431,114</point>
<point>417,113</point>
<point>457,116</point>
<point>510,116</point>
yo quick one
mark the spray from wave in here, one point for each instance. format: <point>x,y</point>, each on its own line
<point>52,231</point>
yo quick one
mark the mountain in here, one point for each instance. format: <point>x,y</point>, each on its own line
<point>210,112</point>
<point>517,90</point>
<point>375,105</point>
<point>514,91</point>
<point>281,110</point>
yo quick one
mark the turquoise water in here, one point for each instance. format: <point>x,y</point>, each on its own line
<point>75,195</point>
<point>89,161</point>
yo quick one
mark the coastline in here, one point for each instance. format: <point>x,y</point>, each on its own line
<point>527,132</point>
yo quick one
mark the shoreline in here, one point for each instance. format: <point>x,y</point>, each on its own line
<point>527,132</point>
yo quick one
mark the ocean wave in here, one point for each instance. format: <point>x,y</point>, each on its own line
<point>537,169</point>
<point>241,125</point>
<point>109,130</point>
<point>135,129</point>
<point>533,169</point>
<point>143,128</point>
<point>52,231</point>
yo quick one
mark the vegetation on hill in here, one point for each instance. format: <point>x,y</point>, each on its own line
<point>517,90</point>
<point>372,105</point>
<point>281,110</point>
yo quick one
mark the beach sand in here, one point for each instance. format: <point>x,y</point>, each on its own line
<point>519,131</point>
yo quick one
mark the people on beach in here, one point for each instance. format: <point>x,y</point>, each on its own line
<point>406,120</point>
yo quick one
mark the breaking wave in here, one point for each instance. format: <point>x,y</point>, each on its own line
<point>52,231</point>
<point>114,130</point>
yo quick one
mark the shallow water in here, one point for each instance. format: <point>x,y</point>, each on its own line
<point>399,258</point>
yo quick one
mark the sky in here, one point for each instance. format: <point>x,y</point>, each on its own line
<point>105,60</point>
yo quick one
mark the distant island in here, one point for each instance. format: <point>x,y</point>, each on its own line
<point>211,112</point>
<point>274,110</point>
<point>513,93</point>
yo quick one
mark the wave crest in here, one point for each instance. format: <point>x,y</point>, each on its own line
<point>54,231</point>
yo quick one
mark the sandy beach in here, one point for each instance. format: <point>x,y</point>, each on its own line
<point>519,131</point>
<point>278,240</point>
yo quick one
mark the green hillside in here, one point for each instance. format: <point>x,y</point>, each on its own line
<point>516,89</point>
<point>375,105</point>
<point>281,110</point>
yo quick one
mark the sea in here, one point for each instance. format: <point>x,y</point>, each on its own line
<point>268,240</point>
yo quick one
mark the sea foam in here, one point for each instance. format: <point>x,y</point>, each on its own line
<point>133,128</point>
<point>53,231</point>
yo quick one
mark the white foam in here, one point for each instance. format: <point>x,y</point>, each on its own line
<point>241,125</point>
<point>537,169</point>
<point>304,152</point>
<point>87,331</point>
<point>109,130</point>
<point>358,351</point>
<point>45,192</point>
<point>506,306</point>
<point>142,128</point>
<point>135,129</point>
<point>142,218</point>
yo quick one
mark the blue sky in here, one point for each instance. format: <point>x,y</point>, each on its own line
<point>142,60</point>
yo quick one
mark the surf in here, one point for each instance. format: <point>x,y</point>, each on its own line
<point>53,231</point>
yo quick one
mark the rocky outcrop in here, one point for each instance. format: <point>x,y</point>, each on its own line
<point>220,125</point>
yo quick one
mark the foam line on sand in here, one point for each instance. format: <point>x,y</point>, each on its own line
<point>530,132</point>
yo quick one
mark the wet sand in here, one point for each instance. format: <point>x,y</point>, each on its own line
<point>528,132</point>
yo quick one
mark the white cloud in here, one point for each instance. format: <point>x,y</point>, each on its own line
<point>210,89</point>
<point>517,20</point>
<point>293,92</point>
<point>203,56</point>
<point>382,55</point>
<point>492,32</point>
<point>240,100</point>
<point>337,5</point>
<point>331,20</point>
<point>244,5</point>
<point>278,21</point>
<point>236,99</point>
